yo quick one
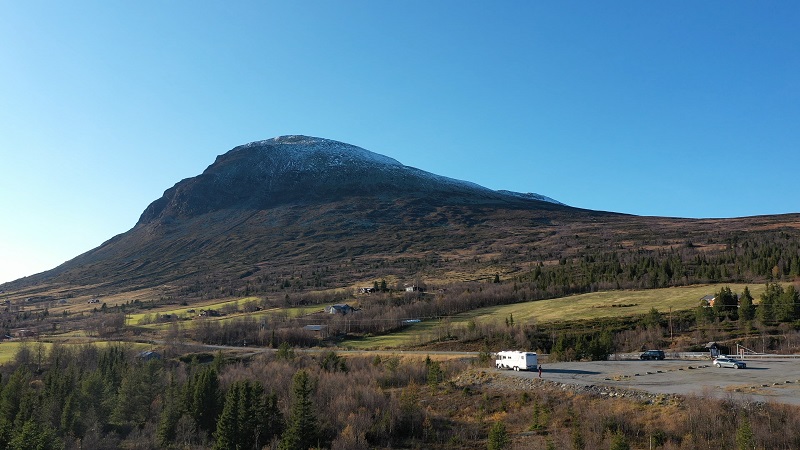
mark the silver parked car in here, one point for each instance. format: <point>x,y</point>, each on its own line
<point>723,361</point>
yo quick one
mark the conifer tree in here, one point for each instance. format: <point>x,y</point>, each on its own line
<point>726,305</point>
<point>273,418</point>
<point>13,393</point>
<point>618,442</point>
<point>113,366</point>
<point>252,414</point>
<point>96,397</point>
<point>137,390</point>
<point>790,302</point>
<point>71,417</point>
<point>747,310</point>
<point>33,436</point>
<point>249,418</point>
<point>435,374</point>
<point>767,307</point>
<point>170,415</point>
<point>331,362</point>
<point>578,441</point>
<point>205,402</point>
<point>228,433</point>
<point>302,431</point>
<point>536,424</point>
<point>498,437</point>
<point>745,439</point>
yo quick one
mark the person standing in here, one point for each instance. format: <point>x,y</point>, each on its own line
<point>540,371</point>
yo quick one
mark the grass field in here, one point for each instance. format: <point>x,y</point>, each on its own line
<point>183,311</point>
<point>182,316</point>
<point>576,307</point>
<point>9,349</point>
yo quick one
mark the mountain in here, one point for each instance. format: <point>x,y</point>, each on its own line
<point>310,214</point>
<point>305,170</point>
<point>259,199</point>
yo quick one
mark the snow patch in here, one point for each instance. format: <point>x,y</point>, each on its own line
<point>306,153</point>
<point>297,147</point>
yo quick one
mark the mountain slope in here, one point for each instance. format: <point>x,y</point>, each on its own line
<point>258,201</point>
<point>307,214</point>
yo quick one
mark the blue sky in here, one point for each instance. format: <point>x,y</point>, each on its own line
<point>685,109</point>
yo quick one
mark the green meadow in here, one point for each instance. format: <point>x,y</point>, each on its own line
<point>9,349</point>
<point>184,317</point>
<point>577,307</point>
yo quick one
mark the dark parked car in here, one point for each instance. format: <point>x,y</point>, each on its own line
<point>729,362</point>
<point>652,354</point>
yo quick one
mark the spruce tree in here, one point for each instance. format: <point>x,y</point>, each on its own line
<point>536,424</point>
<point>578,442</point>
<point>170,415</point>
<point>726,305</point>
<point>205,404</point>
<point>498,437</point>
<point>13,393</point>
<point>228,431</point>
<point>767,307</point>
<point>273,418</point>
<point>35,436</point>
<point>790,301</point>
<point>435,374</point>
<point>71,417</point>
<point>138,389</point>
<point>745,440</point>
<point>248,419</point>
<point>747,311</point>
<point>302,431</point>
<point>618,442</point>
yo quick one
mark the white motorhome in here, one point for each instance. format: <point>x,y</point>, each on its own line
<point>516,360</point>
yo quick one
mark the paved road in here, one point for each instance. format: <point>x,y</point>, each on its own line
<point>762,380</point>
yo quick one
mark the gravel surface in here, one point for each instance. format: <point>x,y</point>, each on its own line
<point>762,380</point>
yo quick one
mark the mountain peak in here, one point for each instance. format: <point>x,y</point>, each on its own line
<point>299,146</point>
<point>299,169</point>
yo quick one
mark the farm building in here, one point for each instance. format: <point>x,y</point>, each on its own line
<point>340,308</point>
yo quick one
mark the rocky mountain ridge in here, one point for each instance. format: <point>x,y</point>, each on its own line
<point>287,169</point>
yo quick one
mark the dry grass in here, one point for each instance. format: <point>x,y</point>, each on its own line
<point>577,307</point>
<point>183,311</point>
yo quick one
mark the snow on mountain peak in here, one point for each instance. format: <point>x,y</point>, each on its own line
<point>306,153</point>
<point>337,153</point>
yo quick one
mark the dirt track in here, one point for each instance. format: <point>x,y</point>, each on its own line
<point>762,380</point>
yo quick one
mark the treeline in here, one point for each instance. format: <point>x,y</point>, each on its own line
<point>751,260</point>
<point>111,397</point>
<point>777,305</point>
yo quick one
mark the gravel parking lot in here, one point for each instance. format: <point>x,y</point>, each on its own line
<point>762,380</point>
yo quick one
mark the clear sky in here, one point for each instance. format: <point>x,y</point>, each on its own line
<point>687,109</point>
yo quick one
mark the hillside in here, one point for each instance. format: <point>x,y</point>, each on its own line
<point>311,214</point>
